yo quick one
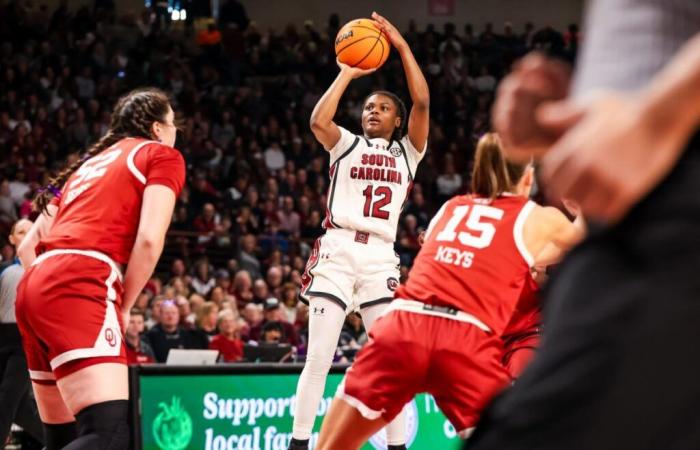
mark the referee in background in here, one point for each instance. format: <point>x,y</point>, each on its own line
<point>619,366</point>
<point>17,405</point>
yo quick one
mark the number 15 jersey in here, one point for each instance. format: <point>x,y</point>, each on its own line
<point>370,182</point>
<point>100,206</point>
<point>474,258</point>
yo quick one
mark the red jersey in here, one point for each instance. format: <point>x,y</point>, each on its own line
<point>526,318</point>
<point>101,202</point>
<point>474,259</point>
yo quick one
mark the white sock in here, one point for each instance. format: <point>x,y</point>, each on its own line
<point>326,320</point>
<point>396,429</point>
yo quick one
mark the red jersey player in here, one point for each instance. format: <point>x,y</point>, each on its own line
<point>113,211</point>
<point>522,334</point>
<point>443,331</point>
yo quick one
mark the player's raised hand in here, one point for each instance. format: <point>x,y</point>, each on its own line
<point>534,81</point>
<point>354,72</point>
<point>390,30</point>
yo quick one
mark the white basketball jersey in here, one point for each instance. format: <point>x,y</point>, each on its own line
<point>370,182</point>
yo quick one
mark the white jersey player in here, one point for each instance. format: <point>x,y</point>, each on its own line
<point>354,266</point>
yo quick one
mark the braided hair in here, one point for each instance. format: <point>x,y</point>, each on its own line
<point>400,108</point>
<point>133,116</point>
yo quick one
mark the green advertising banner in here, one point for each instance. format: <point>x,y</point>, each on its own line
<point>254,412</point>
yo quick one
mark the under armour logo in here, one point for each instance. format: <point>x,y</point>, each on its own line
<point>318,311</point>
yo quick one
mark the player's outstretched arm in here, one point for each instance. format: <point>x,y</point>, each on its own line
<point>321,122</point>
<point>156,213</point>
<point>27,249</point>
<point>419,118</point>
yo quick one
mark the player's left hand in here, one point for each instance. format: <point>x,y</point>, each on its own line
<point>390,30</point>
<point>612,157</point>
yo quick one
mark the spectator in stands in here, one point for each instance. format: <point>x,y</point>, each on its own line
<point>274,280</point>
<point>187,317</point>
<point>253,316</point>
<point>138,349</point>
<point>205,223</point>
<point>203,282</point>
<point>449,181</point>
<point>228,342</point>
<point>273,333</point>
<point>8,210</point>
<point>261,291</point>
<point>168,334</point>
<point>288,218</point>
<point>242,288</point>
<point>247,259</point>
<point>273,313</point>
<point>289,301</point>
<point>207,316</point>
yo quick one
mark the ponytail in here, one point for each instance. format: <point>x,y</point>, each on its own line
<point>493,174</point>
<point>133,116</point>
<point>53,189</point>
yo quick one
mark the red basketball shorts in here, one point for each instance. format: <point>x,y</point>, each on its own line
<point>68,312</point>
<point>412,351</point>
<point>518,352</point>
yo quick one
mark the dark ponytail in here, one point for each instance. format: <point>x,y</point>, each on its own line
<point>133,116</point>
<point>400,111</point>
<point>493,174</point>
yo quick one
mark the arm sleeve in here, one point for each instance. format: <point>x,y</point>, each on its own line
<point>414,156</point>
<point>344,143</point>
<point>165,166</point>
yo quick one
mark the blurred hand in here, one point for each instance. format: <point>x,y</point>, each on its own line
<point>534,81</point>
<point>615,154</point>
<point>354,72</point>
<point>421,238</point>
<point>572,207</point>
<point>390,31</point>
<point>126,317</point>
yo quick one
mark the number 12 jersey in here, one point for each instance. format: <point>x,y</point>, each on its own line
<point>370,182</point>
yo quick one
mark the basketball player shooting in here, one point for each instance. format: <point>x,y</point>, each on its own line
<point>354,266</point>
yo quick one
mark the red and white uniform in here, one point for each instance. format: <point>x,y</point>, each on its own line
<point>354,263</point>
<point>522,334</point>
<point>443,332</point>
<point>69,300</point>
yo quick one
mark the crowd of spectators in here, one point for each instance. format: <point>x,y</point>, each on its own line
<point>257,179</point>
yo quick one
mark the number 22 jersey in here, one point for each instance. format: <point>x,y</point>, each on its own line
<point>100,206</point>
<point>474,258</point>
<point>370,182</point>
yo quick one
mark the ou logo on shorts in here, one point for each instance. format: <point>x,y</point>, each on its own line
<point>110,337</point>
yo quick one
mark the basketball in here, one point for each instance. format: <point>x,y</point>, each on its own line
<point>361,44</point>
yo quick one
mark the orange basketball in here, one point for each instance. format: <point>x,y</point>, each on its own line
<point>361,44</point>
